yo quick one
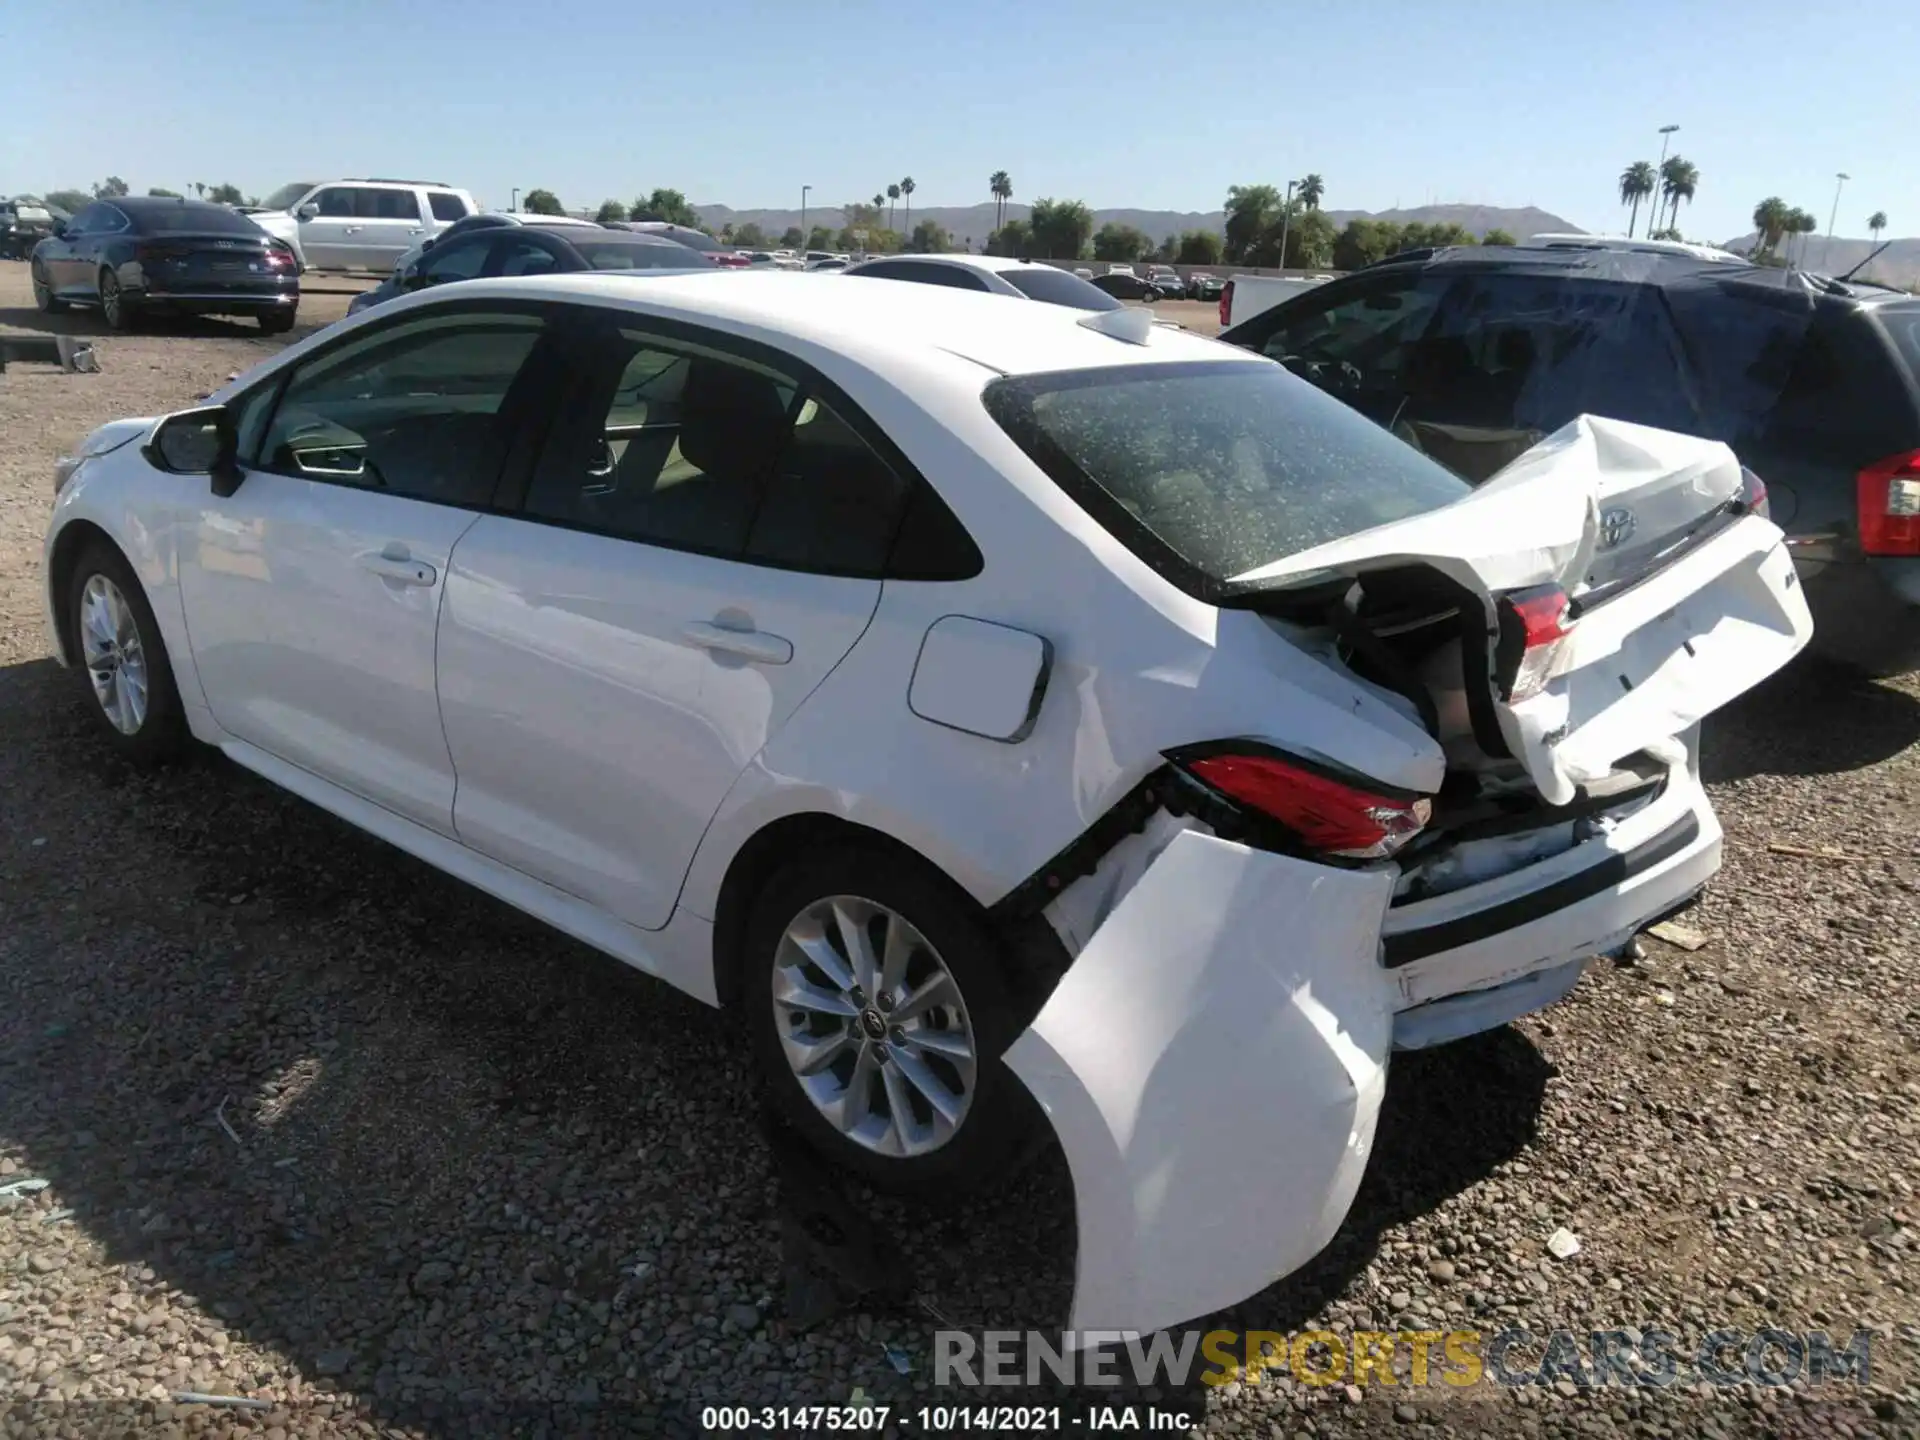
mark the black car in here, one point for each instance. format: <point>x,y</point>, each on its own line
<point>1128,287</point>
<point>137,256</point>
<point>530,248</point>
<point>1473,355</point>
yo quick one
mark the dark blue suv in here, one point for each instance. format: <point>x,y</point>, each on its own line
<point>1473,354</point>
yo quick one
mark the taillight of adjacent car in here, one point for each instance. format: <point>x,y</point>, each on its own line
<point>1889,496</point>
<point>1328,811</point>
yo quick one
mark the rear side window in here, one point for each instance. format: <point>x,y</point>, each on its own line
<point>1210,470</point>
<point>446,205</point>
<point>1902,324</point>
<point>388,205</point>
<point>1057,287</point>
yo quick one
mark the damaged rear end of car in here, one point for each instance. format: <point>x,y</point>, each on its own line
<point>1261,921</point>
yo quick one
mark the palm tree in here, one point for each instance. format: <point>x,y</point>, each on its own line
<point>879,201</point>
<point>1678,180</point>
<point>1771,217</point>
<point>1800,223</point>
<point>1877,222</point>
<point>1310,191</point>
<point>893,193</point>
<point>1636,184</point>
<point>906,191</point>
<point>1001,186</point>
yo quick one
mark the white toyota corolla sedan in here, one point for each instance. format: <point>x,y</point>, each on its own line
<point>1026,718</point>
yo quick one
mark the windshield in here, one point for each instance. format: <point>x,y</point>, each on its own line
<point>286,195</point>
<point>1057,287</point>
<point>635,254</point>
<point>1212,469</point>
<point>192,219</point>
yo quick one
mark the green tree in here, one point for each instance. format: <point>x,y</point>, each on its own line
<point>110,188</point>
<point>893,197</point>
<point>610,210</point>
<point>820,238</point>
<point>1251,209</point>
<point>542,202</point>
<point>906,195</point>
<point>1059,229</point>
<point>750,237</point>
<point>1803,225</point>
<point>1363,242</point>
<point>1637,182</point>
<point>1679,179</point>
<point>668,205</point>
<point>1771,218</point>
<point>930,238</point>
<point>68,200</point>
<point>1198,247</point>
<point>224,194</point>
<point>166,194</point>
<point>1000,186</point>
<point>1877,222</point>
<point>1121,242</point>
<point>1311,190</point>
<point>1497,236</point>
<point>1309,239</point>
<point>1014,240</point>
<point>791,238</point>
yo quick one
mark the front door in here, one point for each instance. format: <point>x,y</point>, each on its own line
<point>701,544</point>
<point>314,591</point>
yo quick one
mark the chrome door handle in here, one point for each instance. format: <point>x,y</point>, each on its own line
<point>748,644</point>
<point>400,568</point>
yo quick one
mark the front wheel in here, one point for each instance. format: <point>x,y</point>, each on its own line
<point>879,1008</point>
<point>115,308</point>
<point>128,673</point>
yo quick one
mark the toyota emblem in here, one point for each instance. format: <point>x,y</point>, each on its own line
<point>1615,526</point>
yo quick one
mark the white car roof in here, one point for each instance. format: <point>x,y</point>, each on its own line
<point>878,324</point>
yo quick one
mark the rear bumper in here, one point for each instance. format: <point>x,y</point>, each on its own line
<point>220,302</point>
<point>1589,900</point>
<point>1866,612</point>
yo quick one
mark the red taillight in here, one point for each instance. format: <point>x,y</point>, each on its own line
<point>278,259</point>
<point>1226,303</point>
<point>1331,815</point>
<point>1535,625</point>
<point>1890,506</point>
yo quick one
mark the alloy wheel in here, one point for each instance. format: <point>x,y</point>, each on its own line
<point>115,660</point>
<point>110,301</point>
<point>873,1026</point>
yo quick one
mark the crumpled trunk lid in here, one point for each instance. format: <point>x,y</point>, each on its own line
<point>1681,597</point>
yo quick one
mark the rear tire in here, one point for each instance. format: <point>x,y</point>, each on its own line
<point>275,322</point>
<point>44,300</point>
<point>903,1082</point>
<point>123,660</point>
<point>115,308</point>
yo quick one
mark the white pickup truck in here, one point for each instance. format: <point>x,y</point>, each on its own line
<point>1247,295</point>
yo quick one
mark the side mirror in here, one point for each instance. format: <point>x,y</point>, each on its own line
<point>197,442</point>
<point>307,212</point>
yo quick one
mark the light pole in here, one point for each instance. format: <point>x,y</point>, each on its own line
<point>804,190</point>
<point>1841,177</point>
<point>1286,217</point>
<point>514,203</point>
<point>1666,136</point>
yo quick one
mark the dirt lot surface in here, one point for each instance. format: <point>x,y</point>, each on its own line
<point>325,1129</point>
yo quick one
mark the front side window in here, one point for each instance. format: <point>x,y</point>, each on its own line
<point>1212,469</point>
<point>412,409</point>
<point>337,202</point>
<point>519,255</point>
<point>1355,345</point>
<point>460,259</point>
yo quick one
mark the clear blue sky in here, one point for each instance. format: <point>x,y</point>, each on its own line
<point>1117,103</point>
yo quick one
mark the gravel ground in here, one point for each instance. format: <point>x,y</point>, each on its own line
<point>327,1129</point>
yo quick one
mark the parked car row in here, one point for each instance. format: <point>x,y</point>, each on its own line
<point>968,693</point>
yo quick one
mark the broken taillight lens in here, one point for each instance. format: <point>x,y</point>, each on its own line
<point>1535,626</point>
<point>1889,497</point>
<point>1332,814</point>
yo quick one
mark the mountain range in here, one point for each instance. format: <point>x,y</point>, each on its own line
<point>975,222</point>
<point>1898,264</point>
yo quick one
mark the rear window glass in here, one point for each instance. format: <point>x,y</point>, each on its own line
<point>1057,287</point>
<point>627,255</point>
<point>1209,470</point>
<point>446,205</point>
<point>196,220</point>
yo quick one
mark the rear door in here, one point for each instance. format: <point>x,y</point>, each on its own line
<point>391,223</point>
<point>700,545</point>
